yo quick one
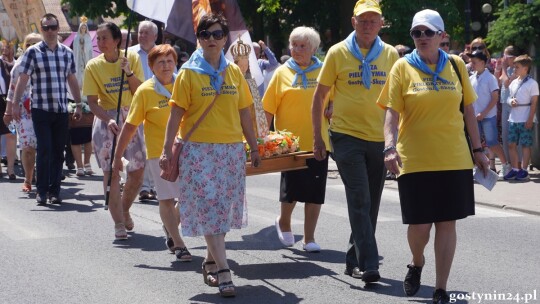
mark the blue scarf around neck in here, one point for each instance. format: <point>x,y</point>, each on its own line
<point>291,63</point>
<point>198,64</point>
<point>373,54</point>
<point>415,60</point>
<point>160,88</point>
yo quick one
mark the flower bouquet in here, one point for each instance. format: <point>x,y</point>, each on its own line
<point>276,143</point>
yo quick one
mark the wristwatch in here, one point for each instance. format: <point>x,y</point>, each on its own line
<point>386,149</point>
<point>478,150</point>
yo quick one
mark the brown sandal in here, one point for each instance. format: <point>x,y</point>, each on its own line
<point>209,277</point>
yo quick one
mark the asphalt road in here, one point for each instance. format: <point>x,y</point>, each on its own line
<point>67,254</point>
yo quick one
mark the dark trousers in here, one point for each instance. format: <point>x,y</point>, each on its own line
<point>361,166</point>
<point>51,130</point>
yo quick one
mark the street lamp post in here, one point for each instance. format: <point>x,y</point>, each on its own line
<point>467,21</point>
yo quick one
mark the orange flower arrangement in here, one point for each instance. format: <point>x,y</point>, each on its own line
<point>275,143</point>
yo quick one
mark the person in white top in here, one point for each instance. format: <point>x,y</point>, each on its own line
<point>523,98</point>
<point>485,107</point>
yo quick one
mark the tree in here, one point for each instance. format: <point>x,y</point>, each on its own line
<point>96,8</point>
<point>517,25</point>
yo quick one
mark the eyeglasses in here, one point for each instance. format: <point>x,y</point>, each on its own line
<point>368,22</point>
<point>476,48</point>
<point>205,35</point>
<point>427,33</point>
<point>46,28</point>
<point>443,44</point>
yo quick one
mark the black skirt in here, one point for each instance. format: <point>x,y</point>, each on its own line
<point>305,185</point>
<point>438,196</point>
<point>80,136</point>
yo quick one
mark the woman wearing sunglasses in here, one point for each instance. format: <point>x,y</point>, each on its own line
<point>478,44</point>
<point>212,171</point>
<point>430,154</point>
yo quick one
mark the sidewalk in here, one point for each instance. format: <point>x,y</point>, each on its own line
<point>510,195</point>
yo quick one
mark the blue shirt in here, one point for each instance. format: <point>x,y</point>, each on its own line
<point>144,60</point>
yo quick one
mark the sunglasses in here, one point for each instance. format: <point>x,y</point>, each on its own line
<point>427,33</point>
<point>476,48</point>
<point>49,27</point>
<point>205,35</point>
<point>443,44</point>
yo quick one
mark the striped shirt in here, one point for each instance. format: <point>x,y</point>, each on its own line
<point>49,70</point>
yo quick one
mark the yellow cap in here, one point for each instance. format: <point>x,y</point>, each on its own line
<point>364,6</point>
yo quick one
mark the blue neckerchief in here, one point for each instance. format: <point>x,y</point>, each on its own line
<point>295,67</point>
<point>415,60</point>
<point>198,64</point>
<point>160,88</point>
<point>373,54</point>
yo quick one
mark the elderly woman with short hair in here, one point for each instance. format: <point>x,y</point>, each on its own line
<point>288,100</point>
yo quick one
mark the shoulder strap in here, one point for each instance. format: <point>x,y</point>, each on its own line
<point>454,65</point>
<point>203,115</point>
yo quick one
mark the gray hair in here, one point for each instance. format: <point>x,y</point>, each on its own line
<point>303,33</point>
<point>149,24</point>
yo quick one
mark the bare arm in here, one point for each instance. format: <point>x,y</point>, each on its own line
<point>392,160</point>
<point>100,113</point>
<point>491,104</point>
<point>471,124</point>
<point>269,117</point>
<point>19,90</point>
<point>75,91</point>
<point>530,119</point>
<point>317,108</point>
<point>249,134</point>
<point>172,129</point>
<point>128,130</point>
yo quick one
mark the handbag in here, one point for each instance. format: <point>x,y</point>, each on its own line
<point>462,108</point>
<point>172,172</point>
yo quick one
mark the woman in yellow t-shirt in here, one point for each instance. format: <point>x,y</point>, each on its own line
<point>150,106</point>
<point>102,86</point>
<point>212,174</point>
<point>288,100</point>
<point>431,157</point>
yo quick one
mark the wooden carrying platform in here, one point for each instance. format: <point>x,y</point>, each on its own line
<point>280,163</point>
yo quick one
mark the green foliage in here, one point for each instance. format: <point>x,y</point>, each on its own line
<point>517,25</point>
<point>96,8</point>
<point>398,16</point>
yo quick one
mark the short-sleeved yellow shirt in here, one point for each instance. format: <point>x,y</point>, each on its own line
<point>153,110</point>
<point>431,133</point>
<point>192,92</point>
<point>102,78</point>
<point>355,110</point>
<point>291,105</point>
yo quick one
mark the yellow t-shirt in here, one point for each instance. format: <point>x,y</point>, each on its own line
<point>355,111</point>
<point>431,135</point>
<point>153,110</point>
<point>291,105</point>
<point>102,78</point>
<point>192,91</point>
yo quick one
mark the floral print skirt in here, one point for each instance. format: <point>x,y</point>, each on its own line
<point>212,188</point>
<point>102,139</point>
<point>25,129</point>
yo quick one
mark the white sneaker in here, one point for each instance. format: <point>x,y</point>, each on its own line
<point>504,170</point>
<point>286,238</point>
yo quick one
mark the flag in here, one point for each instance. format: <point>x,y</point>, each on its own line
<point>182,16</point>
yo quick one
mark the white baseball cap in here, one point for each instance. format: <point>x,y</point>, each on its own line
<point>429,18</point>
